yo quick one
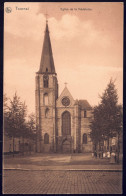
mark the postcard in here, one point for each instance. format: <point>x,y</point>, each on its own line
<point>63,98</point>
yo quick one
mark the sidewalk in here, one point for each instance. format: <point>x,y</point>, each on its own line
<point>60,162</point>
<point>68,167</point>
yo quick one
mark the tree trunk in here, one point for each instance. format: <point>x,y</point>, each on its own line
<point>99,149</point>
<point>108,144</point>
<point>118,149</point>
<point>29,146</point>
<point>23,145</point>
<point>13,146</point>
<point>36,144</point>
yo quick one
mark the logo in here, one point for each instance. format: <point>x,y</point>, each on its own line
<point>8,9</point>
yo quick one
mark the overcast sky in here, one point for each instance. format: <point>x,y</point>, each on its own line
<point>87,45</point>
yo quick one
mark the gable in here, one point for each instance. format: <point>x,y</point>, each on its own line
<point>65,93</point>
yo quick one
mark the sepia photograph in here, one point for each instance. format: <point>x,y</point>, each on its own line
<point>63,98</point>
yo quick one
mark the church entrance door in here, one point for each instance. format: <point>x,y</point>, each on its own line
<point>66,147</point>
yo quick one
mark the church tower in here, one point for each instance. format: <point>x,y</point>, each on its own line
<point>46,94</point>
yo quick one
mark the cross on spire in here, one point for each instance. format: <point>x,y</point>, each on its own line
<point>65,84</point>
<point>46,14</point>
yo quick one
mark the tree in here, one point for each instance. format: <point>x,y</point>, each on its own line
<point>32,123</point>
<point>15,118</point>
<point>5,105</point>
<point>32,132</point>
<point>107,116</point>
<point>109,101</point>
<point>97,126</point>
<point>5,110</point>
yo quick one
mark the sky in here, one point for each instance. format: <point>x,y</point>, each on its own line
<point>87,45</point>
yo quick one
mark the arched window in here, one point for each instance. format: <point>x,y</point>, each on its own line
<point>84,138</point>
<point>46,99</point>
<point>45,81</point>
<point>85,113</point>
<point>46,112</point>
<point>66,123</point>
<point>46,138</point>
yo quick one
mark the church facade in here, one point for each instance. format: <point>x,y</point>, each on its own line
<point>62,122</point>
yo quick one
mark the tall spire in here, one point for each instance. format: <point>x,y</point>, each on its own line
<point>47,63</point>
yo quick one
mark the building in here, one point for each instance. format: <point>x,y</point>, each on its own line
<point>18,145</point>
<point>62,122</point>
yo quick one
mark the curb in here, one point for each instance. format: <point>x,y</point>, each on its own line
<point>96,170</point>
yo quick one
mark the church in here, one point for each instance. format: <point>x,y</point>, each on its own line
<point>62,122</point>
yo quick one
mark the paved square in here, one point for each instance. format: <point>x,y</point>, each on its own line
<point>61,182</point>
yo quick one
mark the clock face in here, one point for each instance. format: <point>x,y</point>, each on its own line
<point>65,101</point>
<point>46,77</point>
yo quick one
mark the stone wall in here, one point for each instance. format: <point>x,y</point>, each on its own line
<point>46,123</point>
<point>85,129</point>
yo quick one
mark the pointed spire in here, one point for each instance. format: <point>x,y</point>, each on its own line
<point>47,63</point>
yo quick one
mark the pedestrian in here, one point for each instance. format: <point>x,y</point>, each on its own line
<point>99,154</point>
<point>108,154</point>
<point>102,154</point>
<point>95,154</point>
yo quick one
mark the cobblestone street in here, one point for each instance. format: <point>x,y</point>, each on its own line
<point>61,182</point>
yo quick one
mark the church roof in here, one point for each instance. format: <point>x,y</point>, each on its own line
<point>47,63</point>
<point>76,102</point>
<point>84,104</point>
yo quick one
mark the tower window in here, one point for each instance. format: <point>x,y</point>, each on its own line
<point>46,138</point>
<point>46,69</point>
<point>46,101</point>
<point>45,80</point>
<point>84,138</point>
<point>46,112</point>
<point>85,114</point>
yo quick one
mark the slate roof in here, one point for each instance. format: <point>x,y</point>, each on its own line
<point>84,105</point>
<point>47,62</point>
